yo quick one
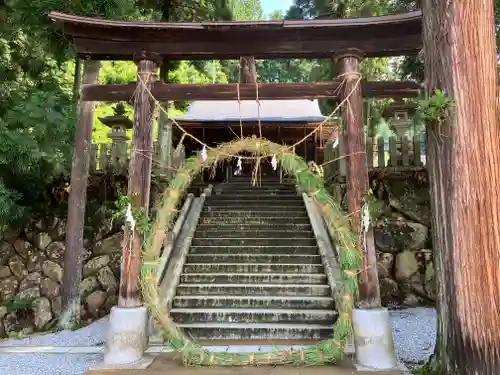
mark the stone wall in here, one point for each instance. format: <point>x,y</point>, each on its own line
<point>31,272</point>
<point>403,241</point>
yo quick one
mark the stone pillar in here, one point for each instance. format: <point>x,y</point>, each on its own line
<point>357,172</point>
<point>119,151</point>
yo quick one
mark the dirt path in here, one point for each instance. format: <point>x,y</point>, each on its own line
<point>166,364</point>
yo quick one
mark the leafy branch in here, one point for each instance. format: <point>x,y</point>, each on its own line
<point>143,223</point>
<point>435,109</point>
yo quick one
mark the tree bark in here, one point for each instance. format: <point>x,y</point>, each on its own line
<point>357,176</point>
<point>463,161</point>
<point>139,181</point>
<point>73,256</point>
<point>248,70</point>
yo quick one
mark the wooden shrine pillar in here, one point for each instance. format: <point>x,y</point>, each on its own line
<point>166,145</point>
<point>73,257</point>
<point>139,176</point>
<point>357,172</point>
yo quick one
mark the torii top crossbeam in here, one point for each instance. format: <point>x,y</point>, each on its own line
<point>99,39</point>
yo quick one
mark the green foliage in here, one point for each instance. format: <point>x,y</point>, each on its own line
<point>246,10</point>
<point>429,368</point>
<point>112,72</point>
<point>34,13</point>
<point>294,70</point>
<point>434,109</point>
<point>377,208</point>
<point>36,147</point>
<point>188,73</point>
<point>143,222</point>
<point>184,10</point>
<point>307,9</point>
<point>36,123</point>
<point>37,110</point>
<point>117,72</point>
<point>276,15</point>
<point>14,304</point>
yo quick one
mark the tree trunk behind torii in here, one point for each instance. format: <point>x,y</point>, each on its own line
<point>464,169</point>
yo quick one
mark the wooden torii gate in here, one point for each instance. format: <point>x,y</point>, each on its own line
<point>149,43</point>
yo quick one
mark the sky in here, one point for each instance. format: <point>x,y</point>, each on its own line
<point>273,5</point>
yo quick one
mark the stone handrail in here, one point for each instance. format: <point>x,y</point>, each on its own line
<point>171,238</point>
<point>328,257</point>
<point>172,264</point>
<point>168,285</point>
<point>326,249</point>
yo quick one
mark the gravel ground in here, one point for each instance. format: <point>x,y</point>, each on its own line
<point>414,333</point>
<point>91,335</point>
<point>47,364</point>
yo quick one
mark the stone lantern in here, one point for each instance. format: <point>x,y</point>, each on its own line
<point>119,124</point>
<point>399,114</point>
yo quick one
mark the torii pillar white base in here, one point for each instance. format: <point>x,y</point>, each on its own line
<point>127,336</point>
<point>373,340</point>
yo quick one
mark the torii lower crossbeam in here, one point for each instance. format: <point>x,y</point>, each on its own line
<point>249,91</point>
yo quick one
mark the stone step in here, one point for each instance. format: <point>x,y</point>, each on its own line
<point>237,203</point>
<point>253,278</point>
<point>270,250</point>
<point>257,331</point>
<point>263,181</point>
<point>286,189</point>
<point>238,232</point>
<point>254,290</point>
<point>216,220</point>
<point>267,187</point>
<point>253,241</point>
<point>265,302</point>
<point>222,226</point>
<point>252,268</point>
<point>255,197</point>
<point>244,194</point>
<point>241,210</point>
<point>250,188</point>
<point>254,258</point>
<point>247,315</point>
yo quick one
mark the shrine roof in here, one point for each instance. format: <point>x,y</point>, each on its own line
<point>392,35</point>
<point>250,111</point>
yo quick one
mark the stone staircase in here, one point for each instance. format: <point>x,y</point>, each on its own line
<point>253,271</point>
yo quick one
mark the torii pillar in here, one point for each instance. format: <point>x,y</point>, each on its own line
<point>127,336</point>
<point>372,328</point>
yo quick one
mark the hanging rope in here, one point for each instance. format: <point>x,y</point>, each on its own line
<point>291,147</point>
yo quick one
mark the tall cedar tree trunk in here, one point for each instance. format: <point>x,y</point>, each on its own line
<point>73,257</point>
<point>464,171</point>
<point>248,70</point>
